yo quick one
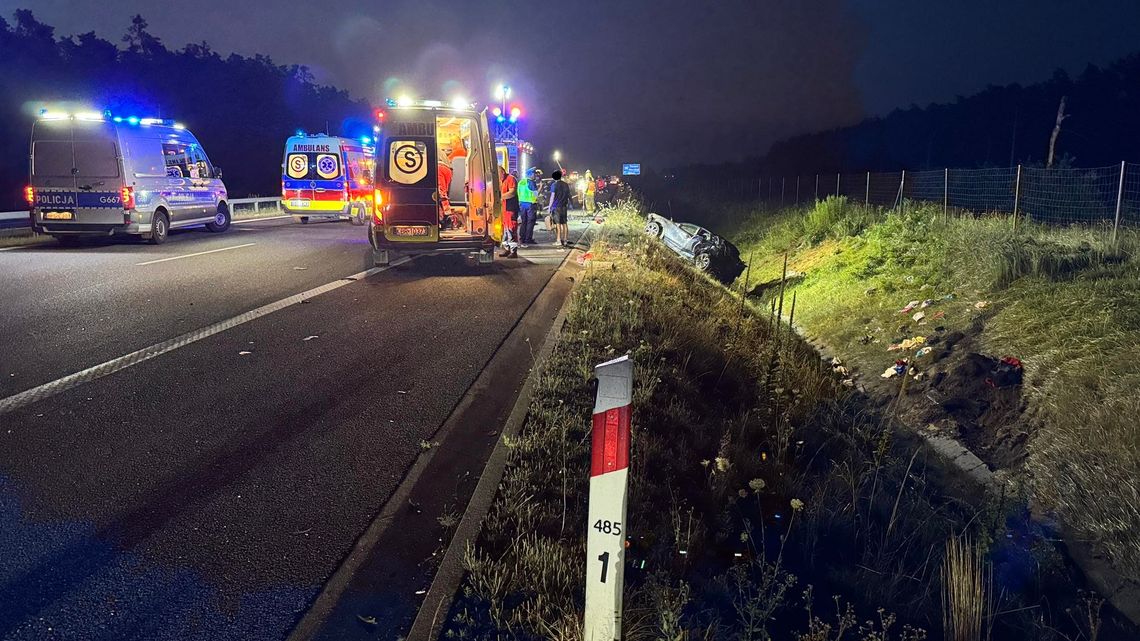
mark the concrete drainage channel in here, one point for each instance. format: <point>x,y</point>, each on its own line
<point>1122,592</point>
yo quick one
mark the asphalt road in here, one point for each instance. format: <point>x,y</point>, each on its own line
<point>208,492</point>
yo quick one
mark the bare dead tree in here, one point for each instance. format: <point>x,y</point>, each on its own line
<point>1061,116</point>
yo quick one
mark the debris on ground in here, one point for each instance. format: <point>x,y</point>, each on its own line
<point>244,353</point>
<point>919,316</point>
<point>895,370</point>
<point>584,258</point>
<point>1007,373</point>
<point>309,338</point>
<point>982,304</point>
<point>910,307</point>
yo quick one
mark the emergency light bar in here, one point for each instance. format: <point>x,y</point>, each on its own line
<point>94,116</point>
<point>404,101</point>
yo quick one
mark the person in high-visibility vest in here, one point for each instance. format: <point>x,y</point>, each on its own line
<point>528,195</point>
<point>590,186</point>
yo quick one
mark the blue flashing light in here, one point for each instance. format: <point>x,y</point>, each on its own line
<point>500,119</point>
<point>514,119</point>
<point>134,120</point>
<point>366,140</point>
<point>300,132</point>
<point>118,119</point>
<point>391,102</point>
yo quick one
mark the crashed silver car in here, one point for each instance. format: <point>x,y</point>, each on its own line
<point>708,252</point>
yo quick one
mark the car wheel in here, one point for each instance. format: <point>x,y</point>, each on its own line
<point>653,228</point>
<point>221,221</point>
<point>357,218</point>
<point>159,227</point>
<point>703,262</point>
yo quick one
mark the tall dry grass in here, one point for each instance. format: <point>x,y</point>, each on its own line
<point>967,584</point>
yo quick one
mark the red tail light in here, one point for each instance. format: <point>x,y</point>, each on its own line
<point>30,194</point>
<point>128,194</point>
<point>377,205</point>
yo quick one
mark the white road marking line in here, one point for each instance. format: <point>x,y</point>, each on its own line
<point>70,381</point>
<point>8,249</point>
<point>257,220</point>
<point>212,251</point>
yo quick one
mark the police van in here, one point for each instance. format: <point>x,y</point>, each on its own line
<point>97,175</point>
<point>328,177</point>
<point>437,189</point>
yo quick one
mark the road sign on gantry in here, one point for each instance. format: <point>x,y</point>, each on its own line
<point>609,474</point>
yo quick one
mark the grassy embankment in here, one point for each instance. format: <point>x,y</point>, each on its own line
<point>766,500</point>
<point>1066,302</point>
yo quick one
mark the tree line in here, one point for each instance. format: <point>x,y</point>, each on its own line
<point>241,108</point>
<point>1001,126</point>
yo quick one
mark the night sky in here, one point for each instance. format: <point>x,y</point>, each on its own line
<point>661,82</point>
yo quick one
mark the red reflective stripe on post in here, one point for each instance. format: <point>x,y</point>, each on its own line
<point>610,441</point>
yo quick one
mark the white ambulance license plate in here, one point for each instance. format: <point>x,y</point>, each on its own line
<point>298,203</point>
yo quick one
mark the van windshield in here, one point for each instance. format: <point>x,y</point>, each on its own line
<point>84,158</point>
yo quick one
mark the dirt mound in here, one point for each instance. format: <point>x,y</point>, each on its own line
<point>972,396</point>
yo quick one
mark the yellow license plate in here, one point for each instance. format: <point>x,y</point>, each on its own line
<point>59,215</point>
<point>411,230</point>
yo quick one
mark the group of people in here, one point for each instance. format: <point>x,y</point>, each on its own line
<point>520,210</point>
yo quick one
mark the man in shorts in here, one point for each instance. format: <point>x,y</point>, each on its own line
<point>559,209</point>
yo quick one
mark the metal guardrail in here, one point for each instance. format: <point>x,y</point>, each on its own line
<point>257,205</point>
<point>239,208</point>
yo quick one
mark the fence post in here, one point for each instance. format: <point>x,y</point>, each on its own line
<point>867,191</point>
<point>797,189</point>
<point>945,192</point>
<point>1016,197</point>
<point>1119,199</point>
<point>902,190</point>
<point>256,206</point>
<point>817,188</point>
<point>837,185</point>
<point>782,180</point>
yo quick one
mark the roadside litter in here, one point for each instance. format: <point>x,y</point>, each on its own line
<point>584,258</point>
<point>895,370</point>
<point>1007,373</point>
<point>982,304</point>
<point>919,316</point>
<point>910,307</point>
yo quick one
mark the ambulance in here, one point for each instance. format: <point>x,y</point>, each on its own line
<point>94,174</point>
<point>438,185</point>
<point>328,177</point>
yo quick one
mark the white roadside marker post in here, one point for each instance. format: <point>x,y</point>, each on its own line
<point>609,473</point>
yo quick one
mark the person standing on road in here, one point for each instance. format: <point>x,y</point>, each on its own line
<point>510,214</point>
<point>559,209</point>
<point>590,204</point>
<point>528,194</point>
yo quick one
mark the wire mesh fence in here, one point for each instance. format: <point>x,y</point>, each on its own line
<point>1101,196</point>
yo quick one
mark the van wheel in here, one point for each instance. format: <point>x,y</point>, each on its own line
<point>159,228</point>
<point>221,221</point>
<point>357,217</point>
